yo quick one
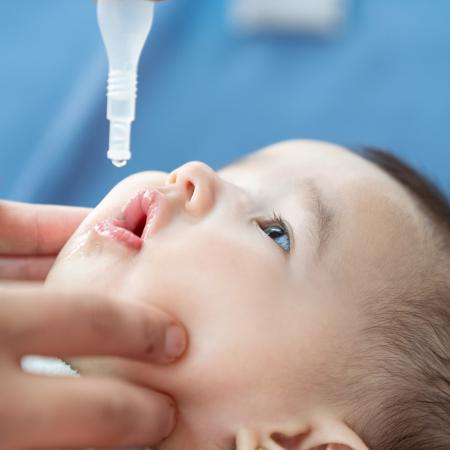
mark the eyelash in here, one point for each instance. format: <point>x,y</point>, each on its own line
<point>276,220</point>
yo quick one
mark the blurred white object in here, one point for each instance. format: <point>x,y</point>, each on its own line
<point>124,26</point>
<point>46,366</point>
<point>304,16</point>
<point>42,365</point>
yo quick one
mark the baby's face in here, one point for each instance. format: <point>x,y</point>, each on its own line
<point>270,308</point>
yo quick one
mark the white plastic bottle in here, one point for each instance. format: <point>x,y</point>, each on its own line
<point>124,25</point>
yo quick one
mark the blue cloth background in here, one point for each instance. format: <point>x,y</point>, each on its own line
<point>207,93</point>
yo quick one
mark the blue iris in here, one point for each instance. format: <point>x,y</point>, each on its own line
<point>279,235</point>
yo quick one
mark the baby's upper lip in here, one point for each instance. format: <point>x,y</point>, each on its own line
<point>137,221</point>
<point>141,213</point>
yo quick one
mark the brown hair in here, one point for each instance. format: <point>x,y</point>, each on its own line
<point>403,377</point>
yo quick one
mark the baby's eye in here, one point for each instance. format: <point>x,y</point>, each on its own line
<point>277,230</point>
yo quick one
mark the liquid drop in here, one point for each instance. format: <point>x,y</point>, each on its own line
<point>119,162</point>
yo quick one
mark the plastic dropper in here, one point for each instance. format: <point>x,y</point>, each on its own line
<point>124,25</point>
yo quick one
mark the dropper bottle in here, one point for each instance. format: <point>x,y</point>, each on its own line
<point>124,25</point>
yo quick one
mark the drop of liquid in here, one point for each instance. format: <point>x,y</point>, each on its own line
<point>119,162</point>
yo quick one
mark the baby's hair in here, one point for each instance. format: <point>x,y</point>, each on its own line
<point>402,377</point>
<point>429,196</point>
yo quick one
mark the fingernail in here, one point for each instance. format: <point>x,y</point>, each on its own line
<point>171,421</point>
<point>175,341</point>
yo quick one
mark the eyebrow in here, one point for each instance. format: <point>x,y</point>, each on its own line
<point>324,214</point>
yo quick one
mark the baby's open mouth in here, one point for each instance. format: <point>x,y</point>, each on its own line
<point>136,222</point>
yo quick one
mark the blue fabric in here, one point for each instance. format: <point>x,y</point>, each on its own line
<point>207,93</point>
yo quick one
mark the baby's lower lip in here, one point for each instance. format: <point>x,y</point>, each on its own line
<point>137,221</point>
<point>114,229</point>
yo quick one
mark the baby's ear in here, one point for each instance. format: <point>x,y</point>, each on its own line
<point>326,435</point>
<point>297,442</point>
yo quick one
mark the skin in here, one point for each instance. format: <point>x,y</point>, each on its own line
<point>32,235</point>
<point>264,325</point>
<point>35,319</point>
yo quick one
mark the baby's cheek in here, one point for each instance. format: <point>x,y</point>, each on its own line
<point>90,268</point>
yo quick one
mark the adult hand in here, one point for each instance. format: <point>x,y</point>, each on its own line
<point>32,235</point>
<point>42,412</point>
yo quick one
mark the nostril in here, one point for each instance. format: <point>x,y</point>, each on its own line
<point>189,188</point>
<point>185,184</point>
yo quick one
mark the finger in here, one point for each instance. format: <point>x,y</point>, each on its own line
<point>84,412</point>
<point>27,229</point>
<point>36,320</point>
<point>26,268</point>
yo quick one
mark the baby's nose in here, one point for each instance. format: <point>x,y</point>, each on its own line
<point>199,185</point>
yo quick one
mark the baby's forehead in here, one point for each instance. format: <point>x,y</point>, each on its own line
<point>325,164</point>
<point>290,156</point>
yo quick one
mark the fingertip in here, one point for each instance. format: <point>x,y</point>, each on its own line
<point>156,427</point>
<point>171,420</point>
<point>175,342</point>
